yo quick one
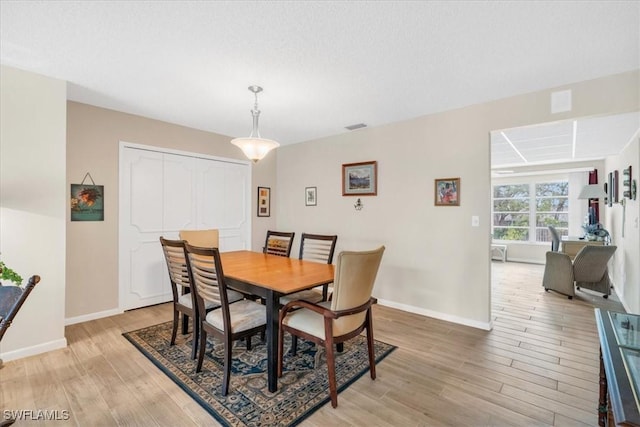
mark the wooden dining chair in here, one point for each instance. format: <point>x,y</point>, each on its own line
<point>342,318</point>
<point>317,248</point>
<point>182,292</point>
<point>204,238</point>
<point>230,322</point>
<point>278,243</point>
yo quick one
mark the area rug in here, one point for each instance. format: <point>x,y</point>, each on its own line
<point>303,388</point>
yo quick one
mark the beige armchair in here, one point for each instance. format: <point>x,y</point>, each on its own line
<point>342,318</point>
<point>588,270</point>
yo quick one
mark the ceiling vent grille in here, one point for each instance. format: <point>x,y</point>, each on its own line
<point>356,126</point>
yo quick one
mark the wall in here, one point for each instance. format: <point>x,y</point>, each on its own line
<point>32,205</point>
<point>93,141</point>
<point>436,263</point>
<point>625,266</point>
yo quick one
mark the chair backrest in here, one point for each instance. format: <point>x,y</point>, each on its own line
<point>317,247</point>
<point>176,266</point>
<point>278,243</point>
<point>555,239</point>
<point>354,278</point>
<point>205,272</point>
<point>202,238</point>
<point>590,264</point>
<point>11,299</point>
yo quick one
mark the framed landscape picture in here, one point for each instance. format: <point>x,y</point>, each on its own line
<point>447,192</point>
<point>360,179</point>
<point>264,201</point>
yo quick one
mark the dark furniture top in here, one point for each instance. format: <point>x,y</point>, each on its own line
<point>620,360</point>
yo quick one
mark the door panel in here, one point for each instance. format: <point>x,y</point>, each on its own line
<point>162,193</point>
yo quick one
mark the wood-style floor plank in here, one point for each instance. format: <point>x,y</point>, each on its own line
<point>537,366</point>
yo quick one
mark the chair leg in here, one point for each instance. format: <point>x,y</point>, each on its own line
<point>294,345</point>
<point>340,347</point>
<point>227,364</point>
<point>249,343</point>
<point>195,337</point>
<point>370,345</point>
<point>331,366</point>
<point>203,346</point>
<point>185,324</point>
<point>174,330</point>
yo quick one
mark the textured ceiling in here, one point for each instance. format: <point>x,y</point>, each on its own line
<point>323,65</point>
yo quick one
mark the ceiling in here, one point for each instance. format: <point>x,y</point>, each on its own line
<point>324,65</point>
<point>563,141</point>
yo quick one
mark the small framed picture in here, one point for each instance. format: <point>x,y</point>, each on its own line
<point>264,201</point>
<point>447,192</point>
<point>310,196</point>
<point>360,179</point>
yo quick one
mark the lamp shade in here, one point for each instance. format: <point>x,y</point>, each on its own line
<point>255,148</point>
<point>592,191</point>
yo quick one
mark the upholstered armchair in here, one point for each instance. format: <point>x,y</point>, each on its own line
<point>588,270</point>
<point>555,239</point>
<point>333,322</point>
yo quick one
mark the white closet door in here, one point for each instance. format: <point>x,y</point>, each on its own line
<point>224,202</point>
<point>162,193</point>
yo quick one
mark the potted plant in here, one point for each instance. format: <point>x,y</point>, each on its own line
<point>7,274</point>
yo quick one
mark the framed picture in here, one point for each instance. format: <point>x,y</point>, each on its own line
<point>87,202</point>
<point>360,179</point>
<point>310,196</point>
<point>264,201</point>
<point>447,192</point>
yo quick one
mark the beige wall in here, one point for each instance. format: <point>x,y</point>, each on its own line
<point>32,205</point>
<point>436,263</point>
<point>93,140</point>
<point>625,266</point>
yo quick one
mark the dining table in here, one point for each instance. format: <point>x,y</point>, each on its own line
<point>270,277</point>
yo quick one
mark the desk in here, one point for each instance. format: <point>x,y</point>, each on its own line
<point>619,368</point>
<point>270,277</point>
<point>572,245</point>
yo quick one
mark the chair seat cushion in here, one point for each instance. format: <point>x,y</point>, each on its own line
<point>307,321</point>
<point>310,295</point>
<point>244,315</point>
<point>233,296</point>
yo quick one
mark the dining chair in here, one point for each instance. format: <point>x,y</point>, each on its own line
<point>342,318</point>
<point>203,238</point>
<point>318,248</point>
<point>278,243</point>
<point>183,292</point>
<point>230,322</point>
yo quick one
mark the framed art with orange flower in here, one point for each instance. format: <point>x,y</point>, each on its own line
<point>447,192</point>
<point>264,201</point>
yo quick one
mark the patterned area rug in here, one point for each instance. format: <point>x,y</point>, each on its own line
<point>303,388</point>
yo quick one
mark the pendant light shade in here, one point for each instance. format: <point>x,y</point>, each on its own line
<point>253,146</point>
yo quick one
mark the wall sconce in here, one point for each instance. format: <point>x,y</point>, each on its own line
<point>358,205</point>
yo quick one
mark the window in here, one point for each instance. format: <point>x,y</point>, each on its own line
<point>523,211</point>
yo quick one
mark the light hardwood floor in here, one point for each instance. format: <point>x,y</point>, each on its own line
<point>538,366</point>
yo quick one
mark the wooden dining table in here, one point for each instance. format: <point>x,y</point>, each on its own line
<point>270,277</point>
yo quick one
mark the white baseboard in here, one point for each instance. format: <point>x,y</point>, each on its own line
<point>526,261</point>
<point>91,316</point>
<point>487,326</point>
<point>33,350</point>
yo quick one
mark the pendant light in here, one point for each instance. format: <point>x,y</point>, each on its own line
<point>255,147</point>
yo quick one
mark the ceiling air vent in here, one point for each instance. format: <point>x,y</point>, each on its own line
<point>356,126</point>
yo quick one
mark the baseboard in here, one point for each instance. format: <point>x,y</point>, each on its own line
<point>33,350</point>
<point>91,316</point>
<point>487,326</point>
<point>525,260</point>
